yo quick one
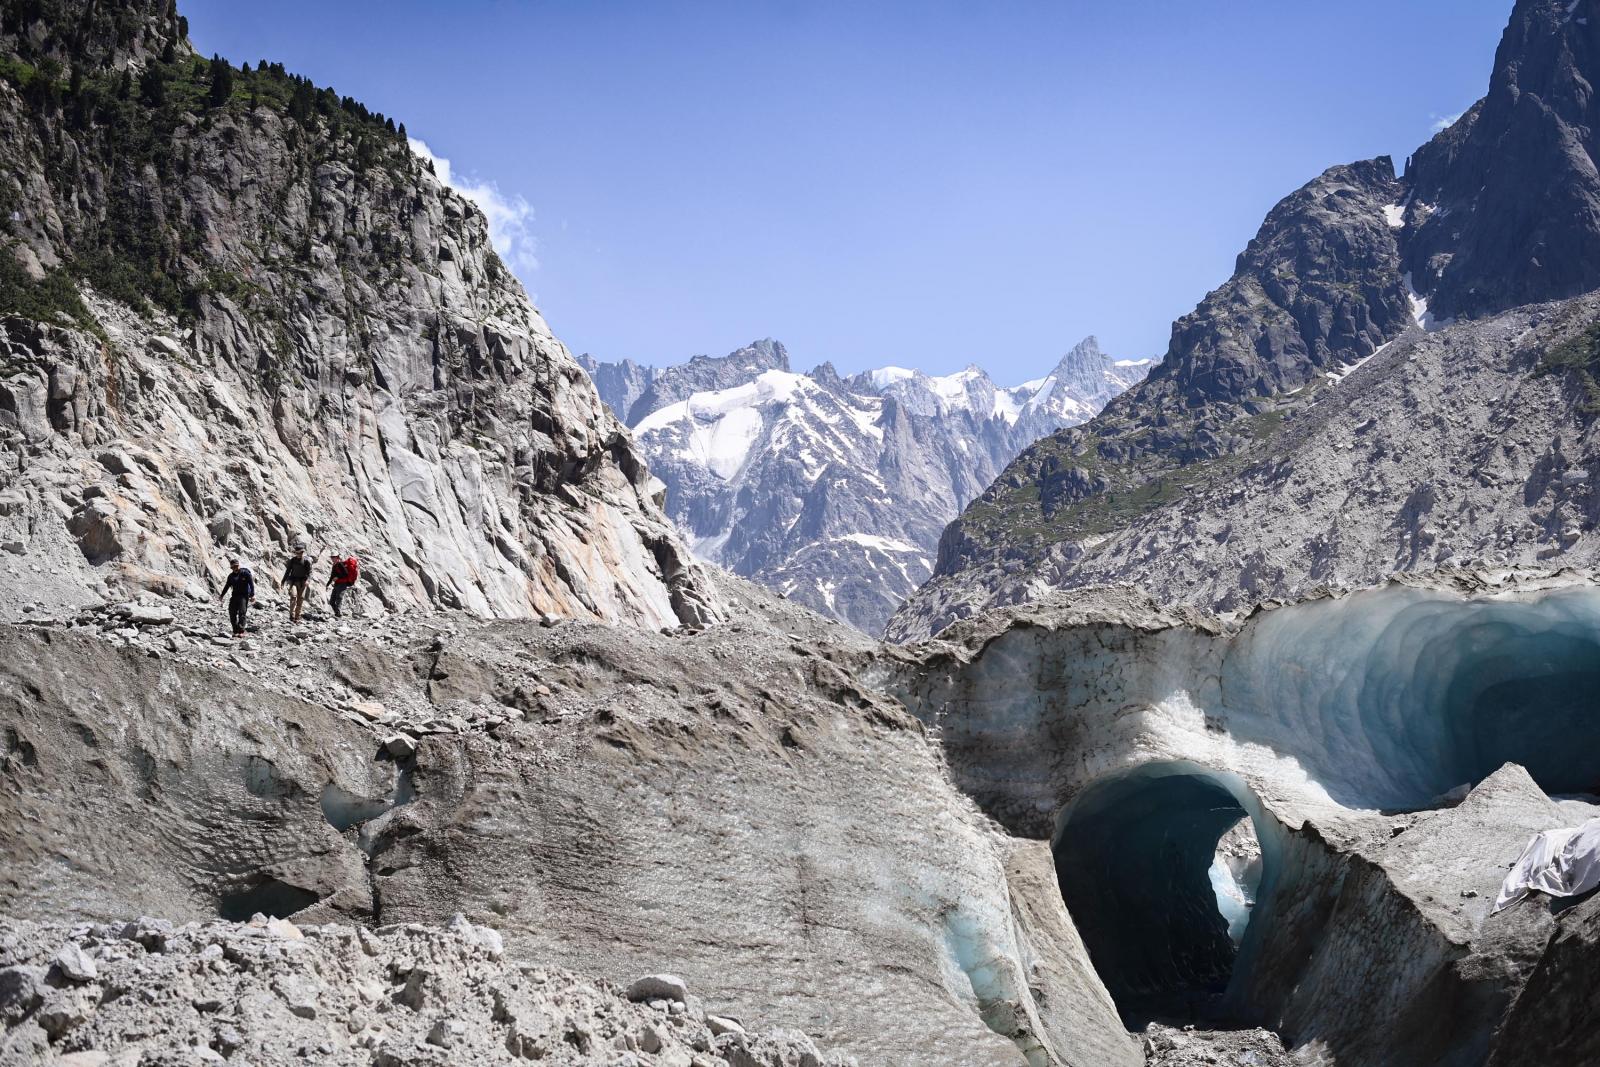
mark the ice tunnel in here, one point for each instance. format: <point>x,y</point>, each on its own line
<point>1393,699</point>
<point>1137,862</point>
<point>1134,741</point>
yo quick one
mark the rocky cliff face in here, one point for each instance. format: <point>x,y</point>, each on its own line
<point>1318,286</point>
<point>619,384</point>
<point>834,491</point>
<point>1228,476</point>
<point>1503,208</point>
<point>1473,444</point>
<point>238,313</point>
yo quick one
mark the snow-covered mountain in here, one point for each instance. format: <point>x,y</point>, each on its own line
<point>835,490</point>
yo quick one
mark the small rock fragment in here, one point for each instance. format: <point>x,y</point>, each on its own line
<point>298,995</point>
<point>151,933</point>
<point>445,1032</point>
<point>413,995</point>
<point>491,941</point>
<point>64,1009</point>
<point>146,614</point>
<point>484,937</point>
<point>227,1040</point>
<point>21,990</point>
<point>371,710</point>
<point>75,964</point>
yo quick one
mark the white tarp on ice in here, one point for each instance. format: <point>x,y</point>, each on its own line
<point>1562,863</point>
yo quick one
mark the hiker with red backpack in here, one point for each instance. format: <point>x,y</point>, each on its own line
<point>345,572</point>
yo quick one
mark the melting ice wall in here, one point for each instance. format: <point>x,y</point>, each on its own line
<point>1133,744</point>
<point>1394,698</point>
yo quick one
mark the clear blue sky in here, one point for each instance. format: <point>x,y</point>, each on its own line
<point>925,183</point>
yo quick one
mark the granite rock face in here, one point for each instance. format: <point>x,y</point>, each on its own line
<point>234,324</point>
<point>834,491</point>
<point>1285,459</point>
<point>1503,208</point>
<point>619,384</point>
<point>1318,287</point>
<point>1470,446</point>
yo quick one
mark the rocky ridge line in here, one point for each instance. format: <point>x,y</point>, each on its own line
<point>1243,467</point>
<point>247,315</point>
<point>833,490</point>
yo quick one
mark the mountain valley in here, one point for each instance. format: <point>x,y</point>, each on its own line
<point>1222,701</point>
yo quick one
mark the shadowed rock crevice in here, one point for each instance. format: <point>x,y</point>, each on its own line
<point>265,896</point>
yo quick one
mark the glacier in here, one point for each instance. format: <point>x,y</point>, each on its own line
<point>1391,750</point>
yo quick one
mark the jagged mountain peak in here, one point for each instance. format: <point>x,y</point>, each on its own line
<point>1085,378</point>
<point>755,357</point>
<point>702,373</point>
<point>1503,208</point>
<point>1086,350</point>
<point>834,490</point>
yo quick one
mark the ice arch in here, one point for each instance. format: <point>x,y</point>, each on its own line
<point>1130,737</point>
<point>1394,698</point>
<point>1134,856</point>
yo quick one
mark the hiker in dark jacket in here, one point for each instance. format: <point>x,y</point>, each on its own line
<point>295,575</point>
<point>240,589</point>
<point>341,579</point>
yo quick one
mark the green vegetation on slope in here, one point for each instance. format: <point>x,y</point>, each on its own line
<point>50,299</point>
<point>1578,356</point>
<point>135,124</point>
<point>1015,514</point>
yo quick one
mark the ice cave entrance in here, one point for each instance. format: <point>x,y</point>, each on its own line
<point>1159,868</point>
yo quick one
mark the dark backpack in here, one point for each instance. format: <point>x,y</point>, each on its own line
<point>345,571</point>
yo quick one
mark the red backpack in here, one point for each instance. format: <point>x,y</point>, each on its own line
<point>346,571</point>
